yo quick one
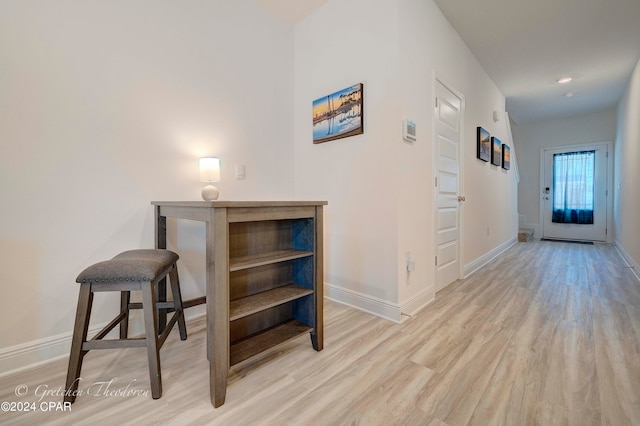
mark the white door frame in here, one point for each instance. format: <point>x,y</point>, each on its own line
<point>581,147</point>
<point>438,78</point>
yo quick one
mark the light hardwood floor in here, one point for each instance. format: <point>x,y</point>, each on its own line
<point>548,333</point>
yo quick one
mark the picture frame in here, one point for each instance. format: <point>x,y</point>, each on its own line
<point>496,152</point>
<point>339,114</point>
<point>484,144</point>
<point>506,156</point>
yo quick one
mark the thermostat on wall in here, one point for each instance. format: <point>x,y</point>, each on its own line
<point>409,130</point>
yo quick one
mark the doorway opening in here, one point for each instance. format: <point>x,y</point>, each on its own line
<point>575,184</point>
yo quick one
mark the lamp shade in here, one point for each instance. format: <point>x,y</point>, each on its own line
<point>210,169</point>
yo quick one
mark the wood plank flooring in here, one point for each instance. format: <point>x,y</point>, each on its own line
<point>548,333</point>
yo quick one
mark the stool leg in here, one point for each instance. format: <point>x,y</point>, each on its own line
<point>125,298</point>
<point>80,328</point>
<point>177,302</point>
<point>151,334</point>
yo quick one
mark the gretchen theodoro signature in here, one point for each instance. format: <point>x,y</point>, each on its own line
<point>104,389</point>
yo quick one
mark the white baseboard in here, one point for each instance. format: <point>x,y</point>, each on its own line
<point>394,312</point>
<point>635,268</point>
<point>24,356</point>
<point>364,302</point>
<point>473,266</point>
<point>27,355</point>
<point>418,302</point>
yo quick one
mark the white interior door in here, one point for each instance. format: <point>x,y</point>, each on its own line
<point>447,147</point>
<point>596,231</point>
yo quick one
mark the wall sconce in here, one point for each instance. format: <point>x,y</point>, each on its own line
<point>210,172</point>
<point>496,117</point>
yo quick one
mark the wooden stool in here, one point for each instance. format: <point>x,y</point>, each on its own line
<point>134,270</point>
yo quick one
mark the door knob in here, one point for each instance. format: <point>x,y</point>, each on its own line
<point>461,198</point>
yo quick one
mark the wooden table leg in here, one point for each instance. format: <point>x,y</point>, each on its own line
<point>317,335</point>
<point>217,306</point>
<point>161,288</point>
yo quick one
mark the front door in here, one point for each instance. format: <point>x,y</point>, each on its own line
<point>447,125</point>
<point>574,192</point>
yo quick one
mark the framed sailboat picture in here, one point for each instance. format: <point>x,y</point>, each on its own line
<point>339,115</point>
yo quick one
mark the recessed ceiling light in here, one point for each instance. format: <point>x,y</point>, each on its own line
<point>564,80</point>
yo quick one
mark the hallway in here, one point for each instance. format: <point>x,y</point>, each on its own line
<point>548,333</point>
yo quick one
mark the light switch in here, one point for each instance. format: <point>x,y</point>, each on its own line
<point>240,171</point>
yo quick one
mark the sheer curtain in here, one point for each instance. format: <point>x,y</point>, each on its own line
<point>573,184</point>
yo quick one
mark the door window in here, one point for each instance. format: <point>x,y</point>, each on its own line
<point>573,187</point>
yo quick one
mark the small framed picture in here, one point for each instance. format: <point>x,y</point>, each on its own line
<point>506,157</point>
<point>496,153</point>
<point>339,115</point>
<point>484,145</point>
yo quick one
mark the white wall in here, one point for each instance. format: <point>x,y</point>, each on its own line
<point>379,188</point>
<point>106,106</point>
<point>343,43</point>
<point>533,137</point>
<point>429,46</point>
<point>627,176</point>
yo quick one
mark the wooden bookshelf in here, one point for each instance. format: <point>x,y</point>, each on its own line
<point>264,277</point>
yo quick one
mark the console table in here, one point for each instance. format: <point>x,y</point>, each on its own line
<point>264,276</point>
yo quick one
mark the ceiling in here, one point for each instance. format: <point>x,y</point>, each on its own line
<point>526,46</point>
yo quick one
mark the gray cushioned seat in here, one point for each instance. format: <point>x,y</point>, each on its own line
<point>157,255</point>
<point>132,265</point>
<point>133,270</point>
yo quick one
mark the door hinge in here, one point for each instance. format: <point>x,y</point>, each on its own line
<point>436,102</point>
<point>606,231</point>
<point>436,260</point>
<point>436,180</point>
